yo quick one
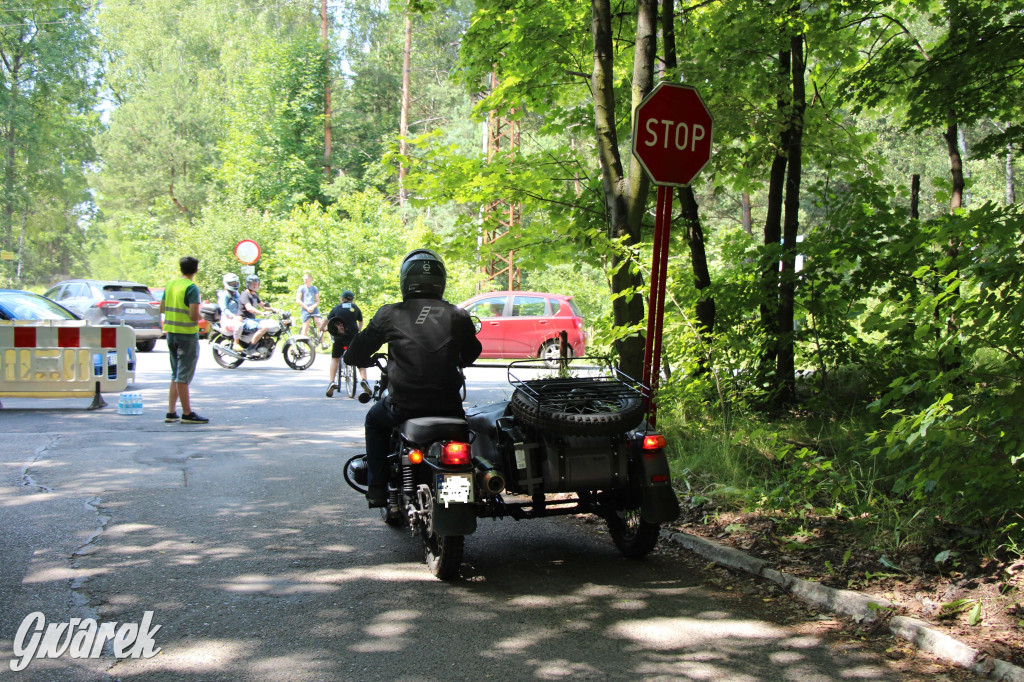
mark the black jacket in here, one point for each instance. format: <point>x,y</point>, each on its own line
<point>428,340</point>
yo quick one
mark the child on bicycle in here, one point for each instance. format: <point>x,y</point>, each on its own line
<point>343,322</point>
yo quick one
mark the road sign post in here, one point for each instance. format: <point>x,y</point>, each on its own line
<point>672,141</point>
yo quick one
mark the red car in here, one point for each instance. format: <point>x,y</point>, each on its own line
<point>526,324</point>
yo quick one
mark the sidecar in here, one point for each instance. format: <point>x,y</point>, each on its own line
<point>572,445</point>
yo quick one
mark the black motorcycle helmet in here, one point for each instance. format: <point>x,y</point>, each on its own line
<point>423,275</point>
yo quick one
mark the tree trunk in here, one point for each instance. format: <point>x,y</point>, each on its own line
<point>625,196</point>
<point>327,90</point>
<point>10,143</point>
<point>773,228</point>
<point>1011,197</point>
<point>915,196</point>
<point>403,127</point>
<point>746,219</point>
<point>786,362</point>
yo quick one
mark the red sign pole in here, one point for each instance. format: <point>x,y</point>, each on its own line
<point>656,299</point>
<point>672,141</point>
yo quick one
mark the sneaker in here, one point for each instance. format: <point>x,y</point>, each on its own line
<point>377,496</point>
<point>237,347</point>
<point>365,386</point>
<point>331,389</point>
<point>172,417</point>
<point>193,418</point>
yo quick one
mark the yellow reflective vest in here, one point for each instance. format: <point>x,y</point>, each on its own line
<point>176,319</point>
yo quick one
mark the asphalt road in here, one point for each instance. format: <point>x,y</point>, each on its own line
<point>259,563</point>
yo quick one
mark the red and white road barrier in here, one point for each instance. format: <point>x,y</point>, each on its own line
<point>64,359</point>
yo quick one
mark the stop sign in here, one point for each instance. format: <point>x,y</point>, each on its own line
<point>672,134</point>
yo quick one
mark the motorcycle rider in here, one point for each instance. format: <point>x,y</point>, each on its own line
<point>250,305</point>
<point>227,299</point>
<point>428,339</point>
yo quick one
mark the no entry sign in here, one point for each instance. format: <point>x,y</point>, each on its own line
<point>672,134</point>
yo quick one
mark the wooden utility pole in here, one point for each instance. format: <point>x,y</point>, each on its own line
<point>403,124</point>
<point>502,138</point>
<point>327,89</point>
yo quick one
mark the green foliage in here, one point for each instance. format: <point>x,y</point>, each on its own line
<point>356,244</point>
<point>273,151</point>
<point>48,87</point>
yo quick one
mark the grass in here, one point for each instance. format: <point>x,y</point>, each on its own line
<point>797,465</point>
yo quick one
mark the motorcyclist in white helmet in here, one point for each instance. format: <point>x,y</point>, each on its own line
<point>227,299</point>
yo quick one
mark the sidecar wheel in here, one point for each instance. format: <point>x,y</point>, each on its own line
<point>566,406</point>
<point>443,554</point>
<point>299,354</point>
<point>634,537</point>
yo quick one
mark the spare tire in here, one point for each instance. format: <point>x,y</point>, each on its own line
<point>598,409</point>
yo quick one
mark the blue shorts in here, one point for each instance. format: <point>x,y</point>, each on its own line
<point>306,316</point>
<point>183,350</point>
<point>250,325</point>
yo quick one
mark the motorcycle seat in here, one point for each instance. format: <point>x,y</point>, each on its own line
<point>425,429</point>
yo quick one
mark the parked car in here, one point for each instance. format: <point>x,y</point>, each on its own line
<point>526,324</point>
<point>113,302</point>
<point>24,305</point>
<point>204,324</point>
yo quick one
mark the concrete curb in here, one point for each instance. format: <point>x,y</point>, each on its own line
<point>860,607</point>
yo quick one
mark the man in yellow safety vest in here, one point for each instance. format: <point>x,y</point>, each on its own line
<point>180,306</point>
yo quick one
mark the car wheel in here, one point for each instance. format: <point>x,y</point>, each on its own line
<point>146,346</point>
<point>551,353</point>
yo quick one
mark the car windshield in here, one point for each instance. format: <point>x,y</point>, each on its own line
<point>126,292</point>
<point>26,306</point>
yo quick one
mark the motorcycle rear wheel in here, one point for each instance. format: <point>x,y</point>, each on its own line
<point>225,360</point>
<point>443,554</point>
<point>299,354</point>
<point>634,537</point>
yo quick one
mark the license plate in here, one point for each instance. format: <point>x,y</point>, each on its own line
<point>135,311</point>
<point>454,488</point>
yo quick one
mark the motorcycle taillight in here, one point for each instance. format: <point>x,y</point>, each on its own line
<point>455,453</point>
<point>654,442</point>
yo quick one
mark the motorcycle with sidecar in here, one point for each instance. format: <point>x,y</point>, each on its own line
<point>570,441</point>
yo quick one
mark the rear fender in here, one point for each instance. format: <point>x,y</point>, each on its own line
<point>455,519</point>
<point>658,501</point>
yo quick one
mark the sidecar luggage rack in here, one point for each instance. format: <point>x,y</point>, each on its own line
<point>606,379</point>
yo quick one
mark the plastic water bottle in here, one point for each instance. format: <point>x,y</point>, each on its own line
<point>122,403</point>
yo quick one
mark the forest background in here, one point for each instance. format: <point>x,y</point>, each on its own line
<point>844,332</point>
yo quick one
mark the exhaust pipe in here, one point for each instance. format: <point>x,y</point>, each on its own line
<point>492,479</point>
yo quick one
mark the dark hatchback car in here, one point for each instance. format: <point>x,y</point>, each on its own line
<point>24,305</point>
<point>113,302</point>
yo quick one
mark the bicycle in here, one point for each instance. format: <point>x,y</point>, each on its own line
<point>346,377</point>
<point>320,340</point>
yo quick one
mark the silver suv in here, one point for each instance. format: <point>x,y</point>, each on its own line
<point>113,302</point>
